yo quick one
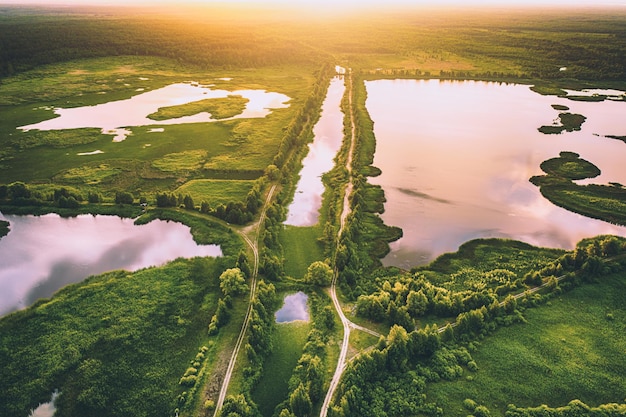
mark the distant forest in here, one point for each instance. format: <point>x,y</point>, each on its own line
<point>523,43</point>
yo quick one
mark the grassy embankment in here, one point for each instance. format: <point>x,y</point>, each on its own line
<point>603,202</point>
<point>571,348</point>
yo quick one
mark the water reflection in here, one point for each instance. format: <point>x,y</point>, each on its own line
<point>43,254</point>
<point>456,158</point>
<point>294,308</point>
<point>114,116</point>
<point>46,409</point>
<point>304,210</point>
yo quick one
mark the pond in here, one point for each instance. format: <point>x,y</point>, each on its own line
<point>115,117</point>
<point>43,254</point>
<point>294,308</point>
<point>456,158</point>
<point>46,409</point>
<point>328,135</point>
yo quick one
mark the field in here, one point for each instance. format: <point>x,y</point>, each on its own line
<point>288,341</point>
<point>571,348</point>
<point>301,249</point>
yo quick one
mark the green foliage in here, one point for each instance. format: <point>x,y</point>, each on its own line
<point>573,408</point>
<point>5,227</point>
<point>128,345</point>
<point>122,197</point>
<point>319,273</point>
<point>232,282</point>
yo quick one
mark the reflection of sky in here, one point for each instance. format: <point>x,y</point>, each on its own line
<point>328,133</point>
<point>112,116</point>
<point>294,308</point>
<point>457,156</point>
<point>42,254</point>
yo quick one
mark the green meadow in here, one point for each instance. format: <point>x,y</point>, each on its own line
<point>570,348</point>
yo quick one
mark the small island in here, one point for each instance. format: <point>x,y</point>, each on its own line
<point>220,108</point>
<point>569,122</point>
<point>603,202</point>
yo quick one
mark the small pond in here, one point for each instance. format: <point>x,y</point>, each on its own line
<point>43,254</point>
<point>328,135</point>
<point>116,116</point>
<point>294,308</point>
<point>46,409</point>
<point>456,158</point>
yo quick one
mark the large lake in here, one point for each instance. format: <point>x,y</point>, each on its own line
<point>456,158</point>
<point>43,254</point>
<point>115,117</point>
<point>328,135</point>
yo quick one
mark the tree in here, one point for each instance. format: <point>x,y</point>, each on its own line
<point>416,303</point>
<point>299,402</point>
<point>188,202</point>
<point>233,282</point>
<point>272,172</point>
<point>122,197</point>
<point>319,273</point>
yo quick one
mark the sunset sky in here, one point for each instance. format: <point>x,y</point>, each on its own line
<point>329,2</point>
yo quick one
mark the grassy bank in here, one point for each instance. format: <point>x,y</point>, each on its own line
<point>569,349</point>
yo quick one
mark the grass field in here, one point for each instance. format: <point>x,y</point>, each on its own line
<point>216,192</point>
<point>301,248</point>
<point>571,348</point>
<point>288,341</point>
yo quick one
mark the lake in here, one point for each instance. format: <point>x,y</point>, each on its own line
<point>456,157</point>
<point>115,117</point>
<point>42,254</point>
<point>328,135</point>
<point>294,308</point>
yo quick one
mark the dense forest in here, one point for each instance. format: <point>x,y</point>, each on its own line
<point>591,44</point>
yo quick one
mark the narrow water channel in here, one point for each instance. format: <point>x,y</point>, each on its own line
<point>42,254</point>
<point>328,132</point>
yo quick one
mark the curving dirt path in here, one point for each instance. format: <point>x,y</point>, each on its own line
<point>347,324</point>
<point>254,245</point>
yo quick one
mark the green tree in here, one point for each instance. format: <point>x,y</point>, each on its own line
<point>416,303</point>
<point>188,202</point>
<point>233,282</point>
<point>122,197</point>
<point>319,273</point>
<point>300,403</point>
